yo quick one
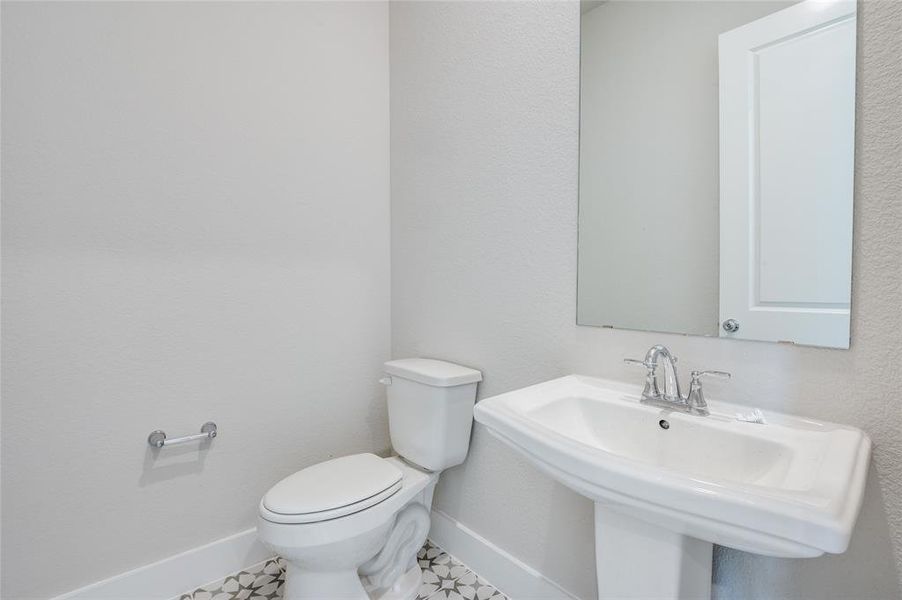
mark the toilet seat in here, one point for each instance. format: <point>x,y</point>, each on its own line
<point>324,533</point>
<point>332,489</point>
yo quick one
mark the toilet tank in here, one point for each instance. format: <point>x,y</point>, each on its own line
<point>430,410</point>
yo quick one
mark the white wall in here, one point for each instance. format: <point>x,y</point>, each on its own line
<point>195,226</point>
<point>648,162</point>
<point>484,212</point>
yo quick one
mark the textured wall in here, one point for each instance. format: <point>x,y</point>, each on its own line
<point>484,205</point>
<point>195,226</point>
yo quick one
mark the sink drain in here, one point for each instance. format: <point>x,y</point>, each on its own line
<point>664,424</point>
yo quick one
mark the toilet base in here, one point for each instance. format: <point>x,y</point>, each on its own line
<point>301,585</point>
<point>347,585</point>
<point>405,588</point>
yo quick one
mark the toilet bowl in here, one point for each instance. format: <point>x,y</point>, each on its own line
<point>349,528</point>
<point>325,552</point>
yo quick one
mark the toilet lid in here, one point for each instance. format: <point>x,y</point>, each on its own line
<point>334,488</point>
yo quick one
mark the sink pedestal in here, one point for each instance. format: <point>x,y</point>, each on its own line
<point>635,559</point>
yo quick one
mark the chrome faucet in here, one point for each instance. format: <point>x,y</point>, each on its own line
<point>672,398</point>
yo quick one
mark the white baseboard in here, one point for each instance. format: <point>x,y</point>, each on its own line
<point>194,568</point>
<point>511,576</point>
<point>181,573</point>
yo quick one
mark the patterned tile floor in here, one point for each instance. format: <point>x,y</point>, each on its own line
<point>263,581</point>
<point>444,578</point>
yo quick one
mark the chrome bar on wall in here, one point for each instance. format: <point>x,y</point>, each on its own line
<point>157,439</point>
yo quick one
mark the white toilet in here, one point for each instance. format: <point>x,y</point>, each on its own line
<point>350,527</point>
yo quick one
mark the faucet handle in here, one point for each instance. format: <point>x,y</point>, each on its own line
<point>650,391</point>
<point>697,375</point>
<point>696,398</point>
<point>636,361</point>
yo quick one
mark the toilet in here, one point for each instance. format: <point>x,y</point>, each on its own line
<point>350,527</point>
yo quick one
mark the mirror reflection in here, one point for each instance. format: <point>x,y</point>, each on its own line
<point>716,168</point>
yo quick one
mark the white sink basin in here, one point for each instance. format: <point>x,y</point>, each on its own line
<point>791,487</point>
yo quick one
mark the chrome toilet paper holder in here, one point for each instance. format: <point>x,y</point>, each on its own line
<point>158,439</point>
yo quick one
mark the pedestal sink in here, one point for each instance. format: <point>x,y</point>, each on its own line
<point>668,485</point>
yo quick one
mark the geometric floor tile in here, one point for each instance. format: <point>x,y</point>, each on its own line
<point>444,578</point>
<point>263,581</point>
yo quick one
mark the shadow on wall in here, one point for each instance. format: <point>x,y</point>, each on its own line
<point>566,542</point>
<point>579,515</point>
<point>738,575</point>
<point>163,464</point>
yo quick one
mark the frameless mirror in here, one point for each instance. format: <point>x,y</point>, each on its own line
<point>716,168</point>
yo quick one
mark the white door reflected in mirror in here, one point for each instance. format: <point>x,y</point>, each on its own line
<point>787,138</point>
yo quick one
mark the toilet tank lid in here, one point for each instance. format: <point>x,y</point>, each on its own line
<point>432,372</point>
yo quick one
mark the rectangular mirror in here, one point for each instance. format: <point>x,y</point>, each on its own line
<point>716,168</point>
